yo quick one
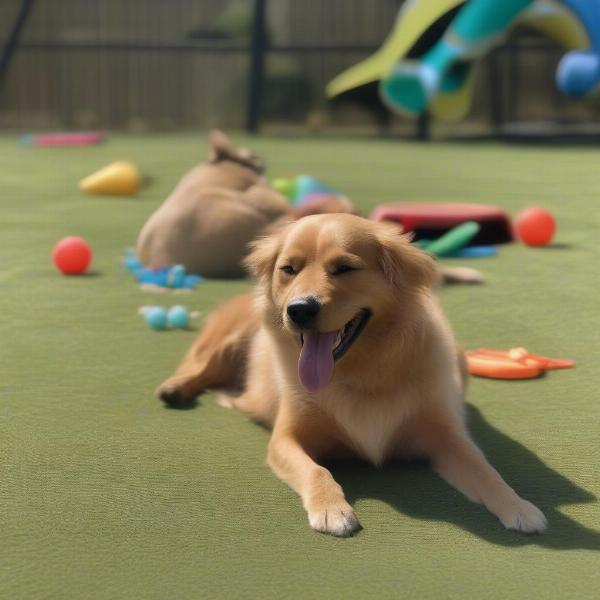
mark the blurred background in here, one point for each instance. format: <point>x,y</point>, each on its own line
<point>173,65</point>
<point>107,493</point>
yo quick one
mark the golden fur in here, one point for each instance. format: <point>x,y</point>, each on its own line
<point>396,393</point>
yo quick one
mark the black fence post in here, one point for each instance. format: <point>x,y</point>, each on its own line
<point>257,66</point>
<point>13,39</point>
<point>423,127</point>
<point>496,92</point>
<point>513,80</point>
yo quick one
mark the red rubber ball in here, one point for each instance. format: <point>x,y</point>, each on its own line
<point>72,255</point>
<point>535,226</point>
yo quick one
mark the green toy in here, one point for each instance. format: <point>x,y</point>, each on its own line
<point>453,241</point>
<point>285,186</point>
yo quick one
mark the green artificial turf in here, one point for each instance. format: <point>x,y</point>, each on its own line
<point>104,493</point>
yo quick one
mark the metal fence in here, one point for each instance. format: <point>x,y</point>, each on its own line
<point>183,64</point>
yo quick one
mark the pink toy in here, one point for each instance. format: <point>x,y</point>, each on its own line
<point>84,138</point>
<point>432,219</point>
<point>72,255</point>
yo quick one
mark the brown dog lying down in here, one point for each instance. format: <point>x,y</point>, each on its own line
<point>215,211</point>
<point>344,352</point>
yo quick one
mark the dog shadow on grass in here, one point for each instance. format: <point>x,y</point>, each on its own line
<point>413,489</point>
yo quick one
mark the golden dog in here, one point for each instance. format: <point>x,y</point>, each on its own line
<point>344,352</point>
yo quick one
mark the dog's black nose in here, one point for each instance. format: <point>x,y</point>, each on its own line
<point>303,311</point>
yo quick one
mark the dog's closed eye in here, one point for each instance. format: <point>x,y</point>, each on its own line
<point>343,268</point>
<point>288,269</point>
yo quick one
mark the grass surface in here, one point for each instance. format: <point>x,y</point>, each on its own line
<point>107,494</point>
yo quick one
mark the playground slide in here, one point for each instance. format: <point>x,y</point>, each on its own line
<point>412,84</point>
<point>413,19</point>
<point>441,80</point>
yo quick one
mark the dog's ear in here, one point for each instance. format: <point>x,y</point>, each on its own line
<point>222,148</point>
<point>260,262</point>
<point>402,262</point>
<point>219,145</point>
<point>246,156</point>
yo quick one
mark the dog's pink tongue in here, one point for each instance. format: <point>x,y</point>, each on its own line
<point>315,366</point>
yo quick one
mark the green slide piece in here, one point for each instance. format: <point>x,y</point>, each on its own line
<point>454,240</point>
<point>482,19</point>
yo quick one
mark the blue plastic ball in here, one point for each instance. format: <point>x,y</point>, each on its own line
<point>578,73</point>
<point>156,317</point>
<point>179,317</point>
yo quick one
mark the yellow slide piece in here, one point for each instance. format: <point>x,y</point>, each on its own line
<point>557,22</point>
<point>413,19</point>
<point>120,178</point>
<point>453,106</point>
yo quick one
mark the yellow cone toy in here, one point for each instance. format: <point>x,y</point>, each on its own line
<point>119,179</point>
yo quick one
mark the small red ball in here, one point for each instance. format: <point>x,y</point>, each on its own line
<point>535,226</point>
<point>72,255</point>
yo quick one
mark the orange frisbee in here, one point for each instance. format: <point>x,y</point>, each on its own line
<point>495,367</point>
<point>524,356</point>
<point>516,363</point>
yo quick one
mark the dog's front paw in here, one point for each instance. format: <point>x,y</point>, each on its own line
<point>169,394</point>
<point>462,275</point>
<point>523,516</point>
<point>336,518</point>
<point>172,395</point>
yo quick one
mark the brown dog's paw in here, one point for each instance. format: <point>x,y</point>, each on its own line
<point>524,516</point>
<point>459,275</point>
<point>337,519</point>
<point>172,396</point>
